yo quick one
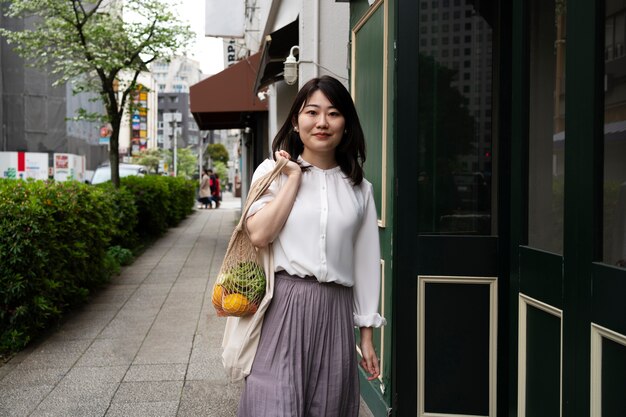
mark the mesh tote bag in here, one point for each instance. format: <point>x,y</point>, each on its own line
<point>243,331</point>
<point>242,280</point>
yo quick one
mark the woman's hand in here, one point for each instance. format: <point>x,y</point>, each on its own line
<point>292,168</point>
<point>370,361</point>
<point>266,224</point>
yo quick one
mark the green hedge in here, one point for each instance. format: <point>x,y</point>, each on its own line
<point>59,241</point>
<point>161,202</point>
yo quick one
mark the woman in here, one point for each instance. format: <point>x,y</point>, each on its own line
<point>205,190</point>
<point>216,191</point>
<point>321,219</point>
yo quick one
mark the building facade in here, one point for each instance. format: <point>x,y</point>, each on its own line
<point>34,114</point>
<point>173,80</point>
<point>496,148</point>
<point>497,155</point>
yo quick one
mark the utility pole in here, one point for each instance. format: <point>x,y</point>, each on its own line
<point>175,148</point>
<point>173,119</point>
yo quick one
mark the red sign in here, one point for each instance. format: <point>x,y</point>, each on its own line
<point>105,131</point>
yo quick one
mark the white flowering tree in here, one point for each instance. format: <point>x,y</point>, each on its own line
<point>100,46</point>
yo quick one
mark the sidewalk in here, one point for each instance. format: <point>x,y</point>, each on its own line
<point>146,345</point>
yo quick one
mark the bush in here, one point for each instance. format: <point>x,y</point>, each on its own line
<point>161,202</point>
<point>125,216</point>
<point>122,256</point>
<point>53,241</point>
<point>60,241</point>
<point>150,199</point>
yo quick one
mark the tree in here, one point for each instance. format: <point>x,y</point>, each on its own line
<point>150,158</point>
<point>220,168</point>
<point>186,161</point>
<point>217,152</point>
<point>101,46</point>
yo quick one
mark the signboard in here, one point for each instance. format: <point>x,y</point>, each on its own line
<point>69,167</point>
<point>231,52</point>
<point>23,165</point>
<point>139,120</point>
<point>105,134</point>
<point>224,18</point>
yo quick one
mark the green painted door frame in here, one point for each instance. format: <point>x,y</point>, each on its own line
<point>580,288</point>
<point>371,84</point>
<point>557,298</point>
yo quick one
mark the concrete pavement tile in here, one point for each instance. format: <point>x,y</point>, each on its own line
<point>161,279</point>
<point>198,261</point>
<point>85,326</point>
<point>170,336</point>
<point>117,290</point>
<point>93,306</point>
<point>126,324</point>
<point>153,409</point>
<point>110,352</point>
<point>130,278</point>
<point>134,270</point>
<point>145,302</point>
<point>67,393</point>
<point>209,399</point>
<point>58,347</point>
<point>148,391</point>
<point>181,310</point>
<point>147,260</point>
<point>55,407</point>
<point>55,353</point>
<point>151,290</point>
<point>21,355</point>
<point>138,310</point>
<point>163,355</point>
<point>20,401</point>
<point>6,369</point>
<point>211,370</point>
<point>115,294</point>
<point>168,266</point>
<point>164,372</point>
<point>95,374</point>
<point>190,285</point>
<point>32,377</point>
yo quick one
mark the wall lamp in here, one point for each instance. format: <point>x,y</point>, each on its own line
<point>291,67</point>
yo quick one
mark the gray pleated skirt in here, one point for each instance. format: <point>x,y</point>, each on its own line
<point>305,365</point>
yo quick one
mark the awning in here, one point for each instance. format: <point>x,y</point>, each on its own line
<point>227,100</point>
<point>275,49</point>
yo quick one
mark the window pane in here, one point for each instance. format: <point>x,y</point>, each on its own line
<point>546,124</point>
<point>455,158</point>
<point>614,233</point>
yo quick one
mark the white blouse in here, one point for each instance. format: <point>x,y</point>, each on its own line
<point>332,234</point>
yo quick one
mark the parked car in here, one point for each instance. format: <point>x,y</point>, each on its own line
<point>103,172</point>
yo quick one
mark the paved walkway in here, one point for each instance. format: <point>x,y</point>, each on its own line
<point>146,345</point>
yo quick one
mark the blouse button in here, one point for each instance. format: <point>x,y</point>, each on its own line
<point>323,236</point>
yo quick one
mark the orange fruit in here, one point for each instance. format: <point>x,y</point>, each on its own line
<point>218,293</point>
<point>235,304</point>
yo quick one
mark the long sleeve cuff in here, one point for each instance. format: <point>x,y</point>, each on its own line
<point>370,320</point>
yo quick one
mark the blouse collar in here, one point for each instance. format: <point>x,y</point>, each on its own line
<point>314,168</point>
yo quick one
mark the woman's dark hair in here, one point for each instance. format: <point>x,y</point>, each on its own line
<point>350,154</point>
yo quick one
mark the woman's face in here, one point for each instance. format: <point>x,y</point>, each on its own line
<point>320,126</point>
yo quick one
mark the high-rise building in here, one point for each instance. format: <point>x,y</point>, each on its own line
<point>34,114</point>
<point>173,79</point>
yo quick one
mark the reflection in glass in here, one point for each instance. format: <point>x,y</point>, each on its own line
<point>614,236</point>
<point>455,133</point>
<point>546,134</point>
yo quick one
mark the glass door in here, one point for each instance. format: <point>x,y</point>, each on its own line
<point>456,174</point>
<point>540,301</point>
